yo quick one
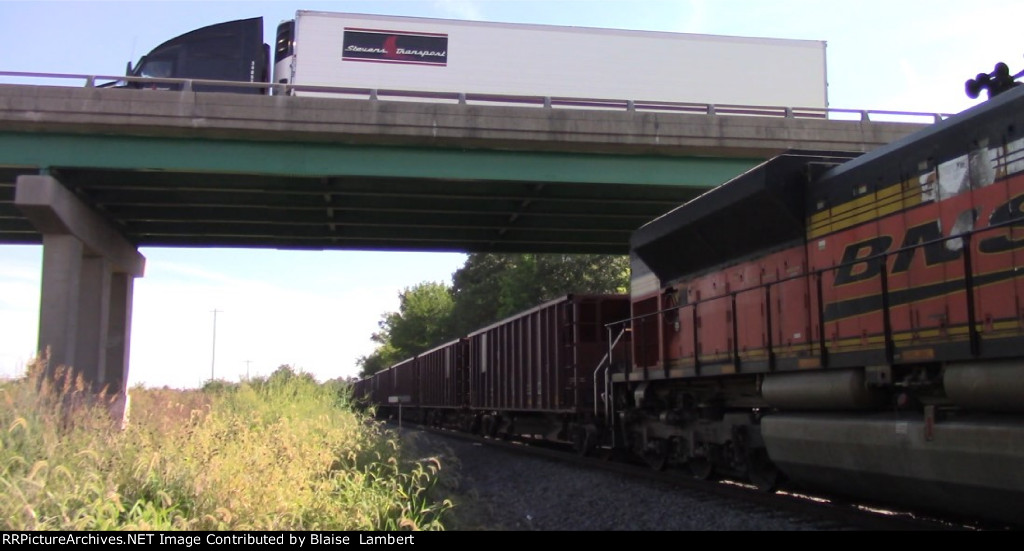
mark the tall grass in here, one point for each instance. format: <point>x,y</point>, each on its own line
<point>281,453</point>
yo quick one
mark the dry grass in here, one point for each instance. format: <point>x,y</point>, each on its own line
<point>282,453</point>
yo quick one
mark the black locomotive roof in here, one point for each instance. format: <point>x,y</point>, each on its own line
<point>765,206</point>
<point>990,121</point>
<point>759,209</point>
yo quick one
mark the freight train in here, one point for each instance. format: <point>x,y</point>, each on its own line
<point>849,323</point>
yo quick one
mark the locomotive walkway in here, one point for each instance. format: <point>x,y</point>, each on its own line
<point>92,173</point>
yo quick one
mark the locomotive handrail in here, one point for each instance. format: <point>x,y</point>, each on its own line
<point>606,363</point>
<point>880,258</point>
<point>548,102</point>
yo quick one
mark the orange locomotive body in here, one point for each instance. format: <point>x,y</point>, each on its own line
<point>851,324</point>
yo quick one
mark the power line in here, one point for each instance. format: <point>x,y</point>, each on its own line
<point>213,354</point>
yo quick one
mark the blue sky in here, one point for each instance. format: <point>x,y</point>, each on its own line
<point>316,310</point>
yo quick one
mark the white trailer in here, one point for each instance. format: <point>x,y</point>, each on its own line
<point>452,56</point>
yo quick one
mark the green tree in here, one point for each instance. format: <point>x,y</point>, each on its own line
<point>490,287</point>
<point>477,290</point>
<point>380,359</point>
<point>423,320</point>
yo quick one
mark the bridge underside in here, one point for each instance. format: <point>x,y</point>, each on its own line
<point>91,200</point>
<point>192,193</point>
<point>93,173</point>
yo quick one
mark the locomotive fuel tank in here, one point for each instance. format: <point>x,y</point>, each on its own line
<point>966,466</point>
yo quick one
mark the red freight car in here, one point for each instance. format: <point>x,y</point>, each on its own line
<point>381,386</point>
<point>444,383</point>
<point>362,391</point>
<point>533,373</point>
<point>405,389</point>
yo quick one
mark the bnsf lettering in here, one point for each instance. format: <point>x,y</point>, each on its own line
<point>1005,213</point>
<point>861,261</point>
<point>934,253</point>
<point>853,271</point>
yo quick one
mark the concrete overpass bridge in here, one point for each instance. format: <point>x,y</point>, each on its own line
<point>94,173</point>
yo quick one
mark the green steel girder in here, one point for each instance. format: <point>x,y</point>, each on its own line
<point>322,159</point>
<point>177,191</point>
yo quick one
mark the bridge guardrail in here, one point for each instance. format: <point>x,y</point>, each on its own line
<point>465,98</point>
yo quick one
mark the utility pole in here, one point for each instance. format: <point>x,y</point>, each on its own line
<point>213,354</point>
<point>247,362</point>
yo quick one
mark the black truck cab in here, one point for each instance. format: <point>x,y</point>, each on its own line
<point>226,51</point>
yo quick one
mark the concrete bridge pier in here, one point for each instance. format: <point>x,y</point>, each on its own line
<point>89,270</point>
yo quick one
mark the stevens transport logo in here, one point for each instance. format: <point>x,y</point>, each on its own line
<point>395,47</point>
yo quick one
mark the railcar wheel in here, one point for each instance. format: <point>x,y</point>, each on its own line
<point>471,423</point>
<point>490,426</point>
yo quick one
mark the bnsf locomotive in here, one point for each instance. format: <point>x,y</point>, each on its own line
<point>842,322</point>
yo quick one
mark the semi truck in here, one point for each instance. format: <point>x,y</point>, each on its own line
<point>232,51</point>
<point>350,50</point>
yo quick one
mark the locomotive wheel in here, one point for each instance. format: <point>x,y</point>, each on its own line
<point>762,472</point>
<point>701,468</point>
<point>583,441</point>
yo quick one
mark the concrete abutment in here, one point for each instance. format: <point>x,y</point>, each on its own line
<point>89,270</point>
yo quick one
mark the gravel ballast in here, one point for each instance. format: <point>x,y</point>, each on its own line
<point>502,490</point>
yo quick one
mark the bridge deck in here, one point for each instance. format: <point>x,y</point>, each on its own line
<point>212,169</point>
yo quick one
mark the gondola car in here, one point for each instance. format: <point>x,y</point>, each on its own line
<point>531,374</point>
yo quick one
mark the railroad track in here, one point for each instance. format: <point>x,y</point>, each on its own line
<point>795,511</point>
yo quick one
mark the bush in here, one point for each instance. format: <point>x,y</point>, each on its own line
<point>283,453</point>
